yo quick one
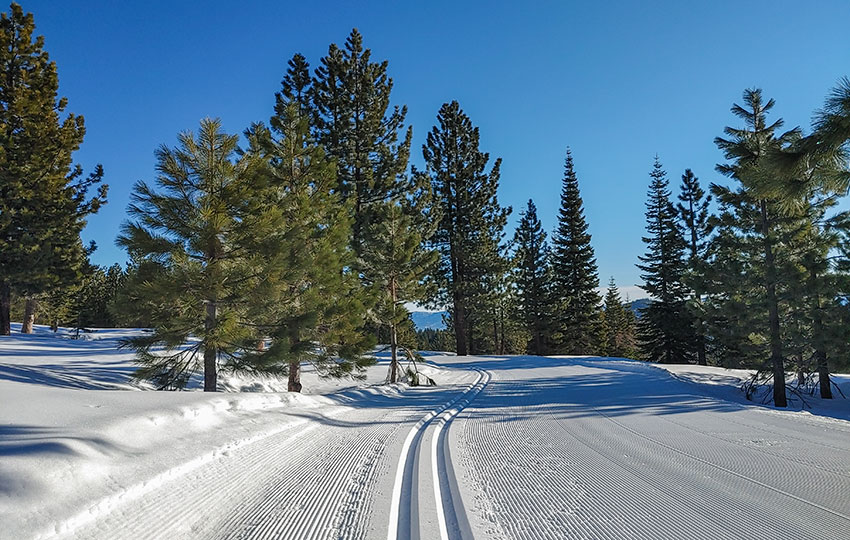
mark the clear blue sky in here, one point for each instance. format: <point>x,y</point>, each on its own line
<point>616,81</point>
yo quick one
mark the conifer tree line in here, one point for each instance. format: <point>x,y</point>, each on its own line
<point>761,282</point>
<point>304,238</point>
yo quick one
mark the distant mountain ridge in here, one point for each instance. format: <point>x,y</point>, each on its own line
<point>434,319</point>
<point>428,319</point>
<point>639,304</point>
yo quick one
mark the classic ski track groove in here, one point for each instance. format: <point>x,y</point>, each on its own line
<point>282,484</point>
<point>403,478</point>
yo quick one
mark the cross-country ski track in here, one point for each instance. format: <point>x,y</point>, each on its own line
<point>503,447</point>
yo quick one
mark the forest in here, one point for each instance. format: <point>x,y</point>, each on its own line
<point>306,238</point>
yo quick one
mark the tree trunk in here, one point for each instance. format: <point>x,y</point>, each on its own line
<point>823,375</point>
<point>393,354</point>
<point>393,336</point>
<point>29,315</point>
<point>459,317</point>
<point>776,360</point>
<point>5,308</point>
<point>820,349</point>
<point>701,349</point>
<point>294,384</point>
<point>210,352</point>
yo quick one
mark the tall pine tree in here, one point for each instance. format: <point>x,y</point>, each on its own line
<point>192,282</point>
<point>618,322</point>
<point>43,197</point>
<point>306,298</point>
<point>664,329</point>
<point>693,211</point>
<point>356,125</point>
<point>472,222</point>
<point>531,263</point>
<point>574,300</point>
<point>748,150</point>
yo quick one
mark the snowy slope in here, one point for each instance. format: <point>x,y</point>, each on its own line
<point>504,447</point>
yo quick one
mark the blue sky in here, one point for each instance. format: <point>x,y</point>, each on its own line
<point>618,82</point>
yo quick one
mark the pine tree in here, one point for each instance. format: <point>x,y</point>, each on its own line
<point>693,211</point>
<point>193,277</point>
<point>531,277</point>
<point>43,197</point>
<point>575,301</point>
<point>400,262</point>
<point>812,172</point>
<point>308,300</point>
<point>471,227</point>
<point>357,127</point>
<point>735,301</point>
<point>748,150</point>
<point>618,325</point>
<point>665,332</point>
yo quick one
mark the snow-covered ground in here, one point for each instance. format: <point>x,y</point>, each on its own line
<point>503,447</point>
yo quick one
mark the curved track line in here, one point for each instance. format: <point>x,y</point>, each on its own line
<point>403,476</point>
<point>438,457</point>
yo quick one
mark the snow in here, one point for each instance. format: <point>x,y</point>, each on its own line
<point>504,447</point>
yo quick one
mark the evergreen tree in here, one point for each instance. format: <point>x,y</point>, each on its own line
<point>748,150</point>
<point>470,230</point>
<point>92,307</point>
<point>193,277</point>
<point>693,211</point>
<point>736,304</point>
<point>812,172</point>
<point>812,331</point>
<point>43,197</point>
<point>531,277</point>
<point>357,127</point>
<point>308,300</point>
<point>665,331</point>
<point>618,325</point>
<point>431,339</point>
<point>575,301</point>
<point>400,262</point>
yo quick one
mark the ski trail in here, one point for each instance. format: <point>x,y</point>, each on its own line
<point>403,518</point>
<point>579,451</point>
<point>446,508</point>
<point>315,477</point>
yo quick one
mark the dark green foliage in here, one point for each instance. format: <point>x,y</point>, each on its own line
<point>193,278</point>
<point>574,300</point>
<point>431,339</point>
<point>618,323</point>
<point>470,229</point>
<point>664,329</point>
<point>736,308</point>
<point>748,151</point>
<point>43,197</point>
<point>397,261</point>
<point>694,214</point>
<point>98,291</point>
<point>531,276</point>
<point>309,301</point>
<point>356,125</point>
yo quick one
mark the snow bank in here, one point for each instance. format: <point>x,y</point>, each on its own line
<point>76,428</point>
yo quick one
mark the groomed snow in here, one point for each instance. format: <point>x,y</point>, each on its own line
<point>504,447</point>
